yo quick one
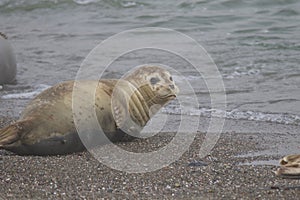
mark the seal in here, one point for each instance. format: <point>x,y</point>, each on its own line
<point>290,167</point>
<point>46,126</point>
<point>8,66</point>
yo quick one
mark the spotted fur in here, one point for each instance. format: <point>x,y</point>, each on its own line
<point>47,127</point>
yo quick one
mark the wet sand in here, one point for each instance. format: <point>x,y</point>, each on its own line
<point>226,173</point>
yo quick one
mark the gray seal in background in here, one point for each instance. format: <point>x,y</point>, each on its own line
<point>8,66</point>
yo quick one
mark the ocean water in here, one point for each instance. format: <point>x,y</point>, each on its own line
<point>254,43</point>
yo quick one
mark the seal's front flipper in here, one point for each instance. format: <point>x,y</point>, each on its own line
<point>14,132</point>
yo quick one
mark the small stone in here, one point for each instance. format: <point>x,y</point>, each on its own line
<point>110,190</point>
<point>177,185</point>
<point>197,164</point>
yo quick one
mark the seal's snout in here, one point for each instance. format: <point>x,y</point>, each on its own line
<point>175,89</point>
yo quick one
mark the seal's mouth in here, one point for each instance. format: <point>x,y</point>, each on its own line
<point>172,96</point>
<point>174,93</point>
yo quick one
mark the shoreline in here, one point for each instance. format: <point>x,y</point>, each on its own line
<point>222,174</point>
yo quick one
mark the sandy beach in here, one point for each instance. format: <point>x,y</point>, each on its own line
<point>255,46</point>
<point>239,167</point>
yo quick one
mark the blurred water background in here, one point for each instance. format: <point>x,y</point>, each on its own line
<point>254,43</point>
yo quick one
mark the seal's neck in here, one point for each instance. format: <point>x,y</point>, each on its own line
<point>144,103</point>
<point>139,108</point>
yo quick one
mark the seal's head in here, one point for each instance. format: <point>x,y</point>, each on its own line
<point>155,83</point>
<point>139,95</point>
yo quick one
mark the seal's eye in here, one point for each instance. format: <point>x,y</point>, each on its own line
<point>171,79</point>
<point>154,80</point>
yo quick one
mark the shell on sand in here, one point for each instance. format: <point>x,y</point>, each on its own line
<point>290,167</point>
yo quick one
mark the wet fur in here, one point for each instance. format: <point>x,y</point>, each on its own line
<point>46,126</point>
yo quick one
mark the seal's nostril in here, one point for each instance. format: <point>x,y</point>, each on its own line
<point>172,87</point>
